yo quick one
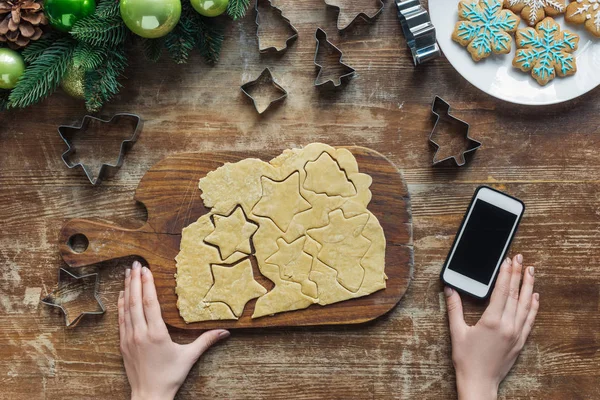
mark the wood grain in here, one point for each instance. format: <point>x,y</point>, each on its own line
<point>169,190</point>
<point>546,156</point>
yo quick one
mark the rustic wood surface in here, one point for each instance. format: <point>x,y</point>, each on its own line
<point>169,191</point>
<point>547,156</point>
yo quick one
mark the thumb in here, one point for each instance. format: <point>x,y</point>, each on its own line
<point>455,309</point>
<point>206,341</point>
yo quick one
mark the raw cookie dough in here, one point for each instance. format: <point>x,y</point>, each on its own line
<point>303,216</point>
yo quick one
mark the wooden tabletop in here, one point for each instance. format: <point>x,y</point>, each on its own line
<point>547,156</point>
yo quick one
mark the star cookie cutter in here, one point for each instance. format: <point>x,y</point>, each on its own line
<point>69,287</point>
<point>67,132</point>
<point>321,36</point>
<point>418,30</point>
<point>441,109</point>
<point>265,77</point>
<point>361,14</point>
<point>288,41</point>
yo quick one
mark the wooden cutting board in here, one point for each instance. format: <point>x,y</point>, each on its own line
<point>169,190</point>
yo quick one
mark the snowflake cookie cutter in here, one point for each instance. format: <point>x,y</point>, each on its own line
<point>265,78</point>
<point>341,26</point>
<point>418,30</point>
<point>67,132</point>
<point>288,41</point>
<point>441,109</point>
<point>69,287</point>
<point>321,36</point>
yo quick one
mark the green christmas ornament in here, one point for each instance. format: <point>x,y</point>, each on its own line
<point>150,18</point>
<point>62,14</point>
<point>73,82</point>
<point>210,8</point>
<point>12,67</point>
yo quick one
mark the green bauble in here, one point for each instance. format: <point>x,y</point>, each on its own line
<point>12,67</point>
<point>62,14</point>
<point>150,18</point>
<point>210,8</point>
<point>73,82</point>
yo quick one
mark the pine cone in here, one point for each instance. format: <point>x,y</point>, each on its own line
<point>21,22</point>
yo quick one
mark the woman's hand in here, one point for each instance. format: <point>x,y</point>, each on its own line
<point>156,367</point>
<point>483,354</point>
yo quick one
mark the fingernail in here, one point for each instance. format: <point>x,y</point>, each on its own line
<point>448,291</point>
<point>531,270</point>
<point>136,264</point>
<point>508,261</point>
<point>121,294</point>
<point>536,296</point>
<point>520,258</point>
<point>127,272</point>
<point>224,334</point>
<point>144,270</point>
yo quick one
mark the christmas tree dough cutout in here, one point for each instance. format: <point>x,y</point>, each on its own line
<point>302,217</point>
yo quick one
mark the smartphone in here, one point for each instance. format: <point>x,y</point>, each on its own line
<point>482,242</point>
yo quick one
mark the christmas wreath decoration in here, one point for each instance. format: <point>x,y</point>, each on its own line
<point>82,46</point>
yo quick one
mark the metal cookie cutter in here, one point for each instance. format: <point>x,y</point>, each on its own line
<point>264,79</point>
<point>418,30</point>
<point>67,132</point>
<point>441,109</point>
<point>349,20</point>
<point>290,39</point>
<point>321,36</point>
<point>70,287</point>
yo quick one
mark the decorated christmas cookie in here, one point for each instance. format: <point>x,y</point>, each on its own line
<point>585,12</point>
<point>533,11</point>
<point>484,27</point>
<point>546,51</point>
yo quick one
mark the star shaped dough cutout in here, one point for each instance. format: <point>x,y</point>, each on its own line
<point>343,246</point>
<point>294,264</point>
<point>281,201</point>
<point>232,233</point>
<point>234,286</point>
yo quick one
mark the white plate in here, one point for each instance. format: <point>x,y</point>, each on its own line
<point>496,75</point>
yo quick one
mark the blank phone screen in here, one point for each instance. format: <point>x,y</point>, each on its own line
<point>482,242</point>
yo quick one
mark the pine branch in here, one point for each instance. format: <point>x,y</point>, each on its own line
<point>211,40</point>
<point>88,57</point>
<point>4,99</point>
<point>102,84</point>
<point>237,8</point>
<point>181,40</point>
<point>36,48</point>
<point>107,8</point>
<point>153,48</point>
<point>43,75</point>
<point>100,31</point>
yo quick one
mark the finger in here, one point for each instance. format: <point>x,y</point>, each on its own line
<point>138,320</point>
<point>528,326</point>
<point>525,298</point>
<point>150,301</point>
<point>121,308</point>
<point>205,342</point>
<point>500,293</point>
<point>455,310</point>
<point>126,310</point>
<point>510,309</point>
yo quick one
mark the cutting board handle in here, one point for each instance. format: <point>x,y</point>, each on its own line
<point>85,242</point>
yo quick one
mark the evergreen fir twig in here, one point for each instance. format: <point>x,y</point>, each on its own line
<point>88,57</point>
<point>100,31</point>
<point>236,9</point>
<point>36,48</point>
<point>102,84</point>
<point>43,75</point>
<point>153,48</point>
<point>4,99</point>
<point>107,8</point>
<point>181,40</point>
<point>211,40</point>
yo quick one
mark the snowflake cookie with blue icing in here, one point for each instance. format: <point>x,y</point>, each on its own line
<point>484,27</point>
<point>585,12</point>
<point>533,11</point>
<point>546,51</point>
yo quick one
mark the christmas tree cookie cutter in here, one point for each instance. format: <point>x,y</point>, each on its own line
<point>264,79</point>
<point>418,31</point>
<point>321,37</point>
<point>70,287</point>
<point>286,21</point>
<point>344,22</point>
<point>67,132</point>
<point>441,109</point>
